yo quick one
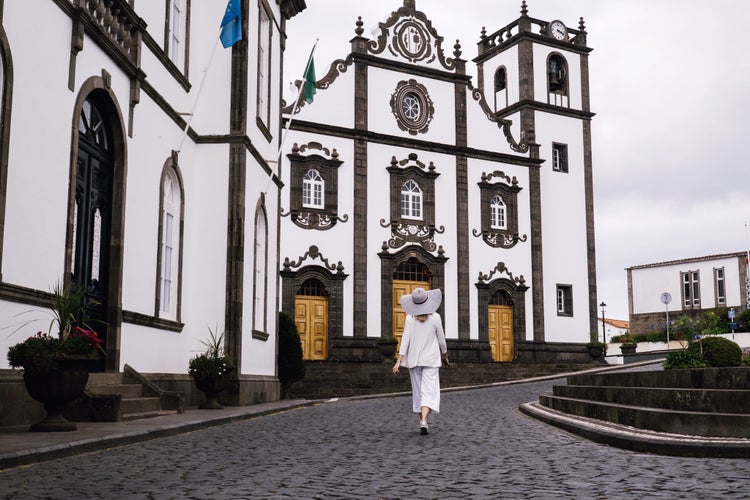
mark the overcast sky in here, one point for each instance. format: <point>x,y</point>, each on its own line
<point>670,86</point>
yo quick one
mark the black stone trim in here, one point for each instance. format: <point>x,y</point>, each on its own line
<point>292,279</point>
<point>545,108</point>
<point>406,89</point>
<point>532,37</point>
<point>263,336</point>
<point>412,143</point>
<point>151,321</point>
<point>516,288</point>
<point>389,263</point>
<point>25,295</point>
<point>6,106</point>
<point>499,238</point>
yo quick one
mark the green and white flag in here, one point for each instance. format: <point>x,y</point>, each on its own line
<point>309,84</point>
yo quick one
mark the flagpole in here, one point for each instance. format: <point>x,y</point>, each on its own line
<point>295,107</point>
<point>198,96</point>
<point>296,102</point>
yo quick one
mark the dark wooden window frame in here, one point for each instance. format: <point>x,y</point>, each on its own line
<point>170,165</point>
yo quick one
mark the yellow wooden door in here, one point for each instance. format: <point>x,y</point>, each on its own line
<point>399,315</point>
<point>500,332</point>
<point>311,317</point>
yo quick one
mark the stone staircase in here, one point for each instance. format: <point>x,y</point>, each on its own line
<point>127,395</point>
<point>709,402</point>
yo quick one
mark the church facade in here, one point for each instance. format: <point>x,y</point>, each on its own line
<point>404,172</point>
<point>137,160</point>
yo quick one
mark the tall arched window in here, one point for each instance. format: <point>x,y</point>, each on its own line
<point>260,267</point>
<point>411,200</point>
<point>170,244</point>
<point>498,213</point>
<point>312,189</point>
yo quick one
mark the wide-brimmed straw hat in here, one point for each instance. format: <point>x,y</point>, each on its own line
<point>422,301</point>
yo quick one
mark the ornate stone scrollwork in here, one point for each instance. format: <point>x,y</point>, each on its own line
<point>401,234</point>
<point>504,125</point>
<point>500,268</point>
<point>313,220</point>
<point>312,253</point>
<point>498,239</point>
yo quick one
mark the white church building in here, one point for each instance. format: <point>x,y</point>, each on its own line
<point>405,172</point>
<point>116,177</point>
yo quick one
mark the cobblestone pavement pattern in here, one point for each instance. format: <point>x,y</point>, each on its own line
<point>480,446</point>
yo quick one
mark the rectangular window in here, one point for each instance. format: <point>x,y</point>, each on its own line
<point>264,66</point>
<point>721,295</point>
<point>175,35</point>
<point>560,157</point>
<point>691,290</point>
<point>565,300</point>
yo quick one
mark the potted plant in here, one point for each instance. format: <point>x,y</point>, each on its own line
<point>211,370</point>
<point>628,345</point>
<point>596,350</point>
<point>387,346</point>
<point>56,367</point>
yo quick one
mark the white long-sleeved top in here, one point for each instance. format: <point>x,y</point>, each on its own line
<point>423,342</point>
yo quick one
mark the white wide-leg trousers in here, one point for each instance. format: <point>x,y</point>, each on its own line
<point>425,388</point>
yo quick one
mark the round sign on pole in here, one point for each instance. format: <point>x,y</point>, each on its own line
<point>666,298</point>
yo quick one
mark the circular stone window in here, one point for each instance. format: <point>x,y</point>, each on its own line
<point>412,107</point>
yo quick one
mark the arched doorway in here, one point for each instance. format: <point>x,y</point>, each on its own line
<point>311,317</point>
<point>92,213</point>
<point>500,326</point>
<point>408,275</point>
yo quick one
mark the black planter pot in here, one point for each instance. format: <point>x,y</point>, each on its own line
<point>55,389</point>
<point>212,387</point>
<point>387,349</point>
<point>628,349</point>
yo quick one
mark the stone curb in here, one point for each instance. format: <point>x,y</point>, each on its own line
<point>633,439</point>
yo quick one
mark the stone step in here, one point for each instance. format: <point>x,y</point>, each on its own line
<point>695,378</point>
<point>692,423</point>
<point>124,390</point>
<point>139,405</point>
<point>680,399</point>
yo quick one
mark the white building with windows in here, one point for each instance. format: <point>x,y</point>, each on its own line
<point>693,286</point>
<point>404,172</point>
<point>115,176</point>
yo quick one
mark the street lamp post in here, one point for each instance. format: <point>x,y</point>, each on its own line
<point>604,335</point>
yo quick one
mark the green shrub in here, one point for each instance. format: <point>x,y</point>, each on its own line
<point>682,329</point>
<point>743,320</point>
<point>718,351</point>
<point>746,359</point>
<point>684,358</point>
<point>713,322</point>
<point>291,364</point>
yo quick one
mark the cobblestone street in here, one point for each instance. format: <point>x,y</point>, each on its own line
<point>480,446</point>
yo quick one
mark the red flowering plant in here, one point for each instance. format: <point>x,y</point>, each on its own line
<point>44,352</point>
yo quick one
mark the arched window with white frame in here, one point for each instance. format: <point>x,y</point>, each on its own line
<point>260,271</point>
<point>170,244</point>
<point>498,213</point>
<point>312,189</point>
<point>411,200</point>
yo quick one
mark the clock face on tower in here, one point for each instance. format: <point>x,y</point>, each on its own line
<point>557,30</point>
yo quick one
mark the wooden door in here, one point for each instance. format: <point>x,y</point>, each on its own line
<point>500,325</point>
<point>92,231</point>
<point>311,317</point>
<point>399,315</point>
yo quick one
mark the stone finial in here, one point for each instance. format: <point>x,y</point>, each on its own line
<point>524,10</point>
<point>295,148</point>
<point>410,4</point>
<point>359,30</point>
<point>582,25</point>
<point>483,33</point>
<point>457,50</point>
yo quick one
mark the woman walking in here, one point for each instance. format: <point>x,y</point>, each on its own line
<point>422,347</point>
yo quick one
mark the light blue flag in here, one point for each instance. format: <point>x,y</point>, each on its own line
<point>231,25</point>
